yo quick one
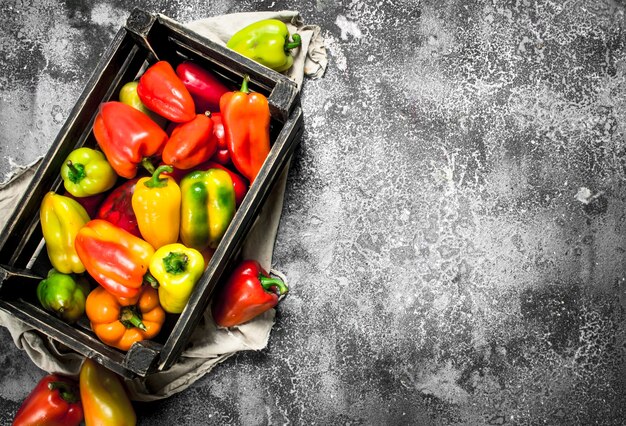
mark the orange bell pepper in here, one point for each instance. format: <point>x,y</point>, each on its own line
<point>115,258</point>
<point>246,119</point>
<point>191,143</point>
<point>120,322</point>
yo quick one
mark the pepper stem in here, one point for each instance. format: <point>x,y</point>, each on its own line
<point>147,164</point>
<point>244,85</point>
<point>297,42</point>
<point>66,390</point>
<point>175,262</point>
<point>76,171</point>
<point>155,181</point>
<point>149,278</point>
<point>130,318</point>
<point>268,283</point>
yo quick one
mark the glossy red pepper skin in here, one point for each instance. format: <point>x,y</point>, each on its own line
<point>205,88</point>
<point>222,155</point>
<point>161,91</point>
<point>127,137</point>
<point>91,203</point>
<point>117,208</point>
<point>45,406</point>
<point>190,143</point>
<point>249,292</point>
<point>246,117</point>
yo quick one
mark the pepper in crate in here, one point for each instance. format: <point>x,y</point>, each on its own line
<point>119,322</point>
<point>61,219</point>
<point>86,172</point>
<point>64,295</point>
<point>128,137</point>
<point>176,269</point>
<point>115,258</point>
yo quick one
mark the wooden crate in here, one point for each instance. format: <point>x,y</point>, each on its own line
<point>144,39</point>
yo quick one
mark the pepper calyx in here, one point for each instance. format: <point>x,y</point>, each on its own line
<point>273,284</point>
<point>156,181</point>
<point>297,42</point>
<point>66,391</point>
<point>130,317</point>
<point>175,262</point>
<point>76,171</point>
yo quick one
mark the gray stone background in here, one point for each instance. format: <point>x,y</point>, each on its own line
<point>454,221</point>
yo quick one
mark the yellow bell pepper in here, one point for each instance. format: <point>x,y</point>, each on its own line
<point>104,398</point>
<point>156,203</point>
<point>177,269</point>
<point>61,218</point>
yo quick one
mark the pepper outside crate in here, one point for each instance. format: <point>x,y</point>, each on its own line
<point>143,40</point>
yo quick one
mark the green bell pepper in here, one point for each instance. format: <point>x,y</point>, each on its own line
<point>64,295</point>
<point>207,207</point>
<point>266,42</point>
<point>86,172</point>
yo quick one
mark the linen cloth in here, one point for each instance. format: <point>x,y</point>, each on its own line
<point>208,345</point>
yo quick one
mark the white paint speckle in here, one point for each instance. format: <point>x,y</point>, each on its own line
<point>348,28</point>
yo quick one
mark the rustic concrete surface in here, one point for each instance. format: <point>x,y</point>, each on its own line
<point>453,225</point>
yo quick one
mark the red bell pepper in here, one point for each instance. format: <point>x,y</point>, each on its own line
<point>249,292</point>
<point>117,208</point>
<point>204,86</point>
<point>55,401</point>
<point>161,91</point>
<point>128,137</point>
<point>222,155</point>
<point>246,118</point>
<point>190,143</point>
<point>115,258</point>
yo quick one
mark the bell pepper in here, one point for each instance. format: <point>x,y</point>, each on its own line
<point>156,203</point>
<point>121,321</point>
<point>115,258</point>
<point>104,396</point>
<point>127,137</point>
<point>54,401</point>
<point>249,292</point>
<point>240,185</point>
<point>86,172</point>
<point>246,118</point>
<point>161,91</point>
<point>128,95</point>
<point>64,295</point>
<point>190,143</point>
<point>266,42</point>
<point>61,218</point>
<point>117,207</point>
<point>222,155</point>
<point>176,269</point>
<point>207,207</point>
<point>91,203</point>
<point>205,87</point>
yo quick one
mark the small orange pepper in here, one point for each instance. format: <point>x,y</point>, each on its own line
<point>120,322</point>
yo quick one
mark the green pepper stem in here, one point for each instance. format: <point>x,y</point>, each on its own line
<point>76,171</point>
<point>147,164</point>
<point>130,318</point>
<point>244,85</point>
<point>297,42</point>
<point>67,391</point>
<point>268,283</point>
<point>155,181</point>
<point>149,278</point>
<point>175,262</point>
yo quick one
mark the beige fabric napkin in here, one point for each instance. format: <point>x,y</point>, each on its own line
<point>208,344</point>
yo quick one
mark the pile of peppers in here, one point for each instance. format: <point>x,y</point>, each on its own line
<point>145,207</point>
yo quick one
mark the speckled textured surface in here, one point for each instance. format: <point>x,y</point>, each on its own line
<point>453,228</point>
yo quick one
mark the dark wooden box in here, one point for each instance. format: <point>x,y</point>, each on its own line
<point>144,39</point>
